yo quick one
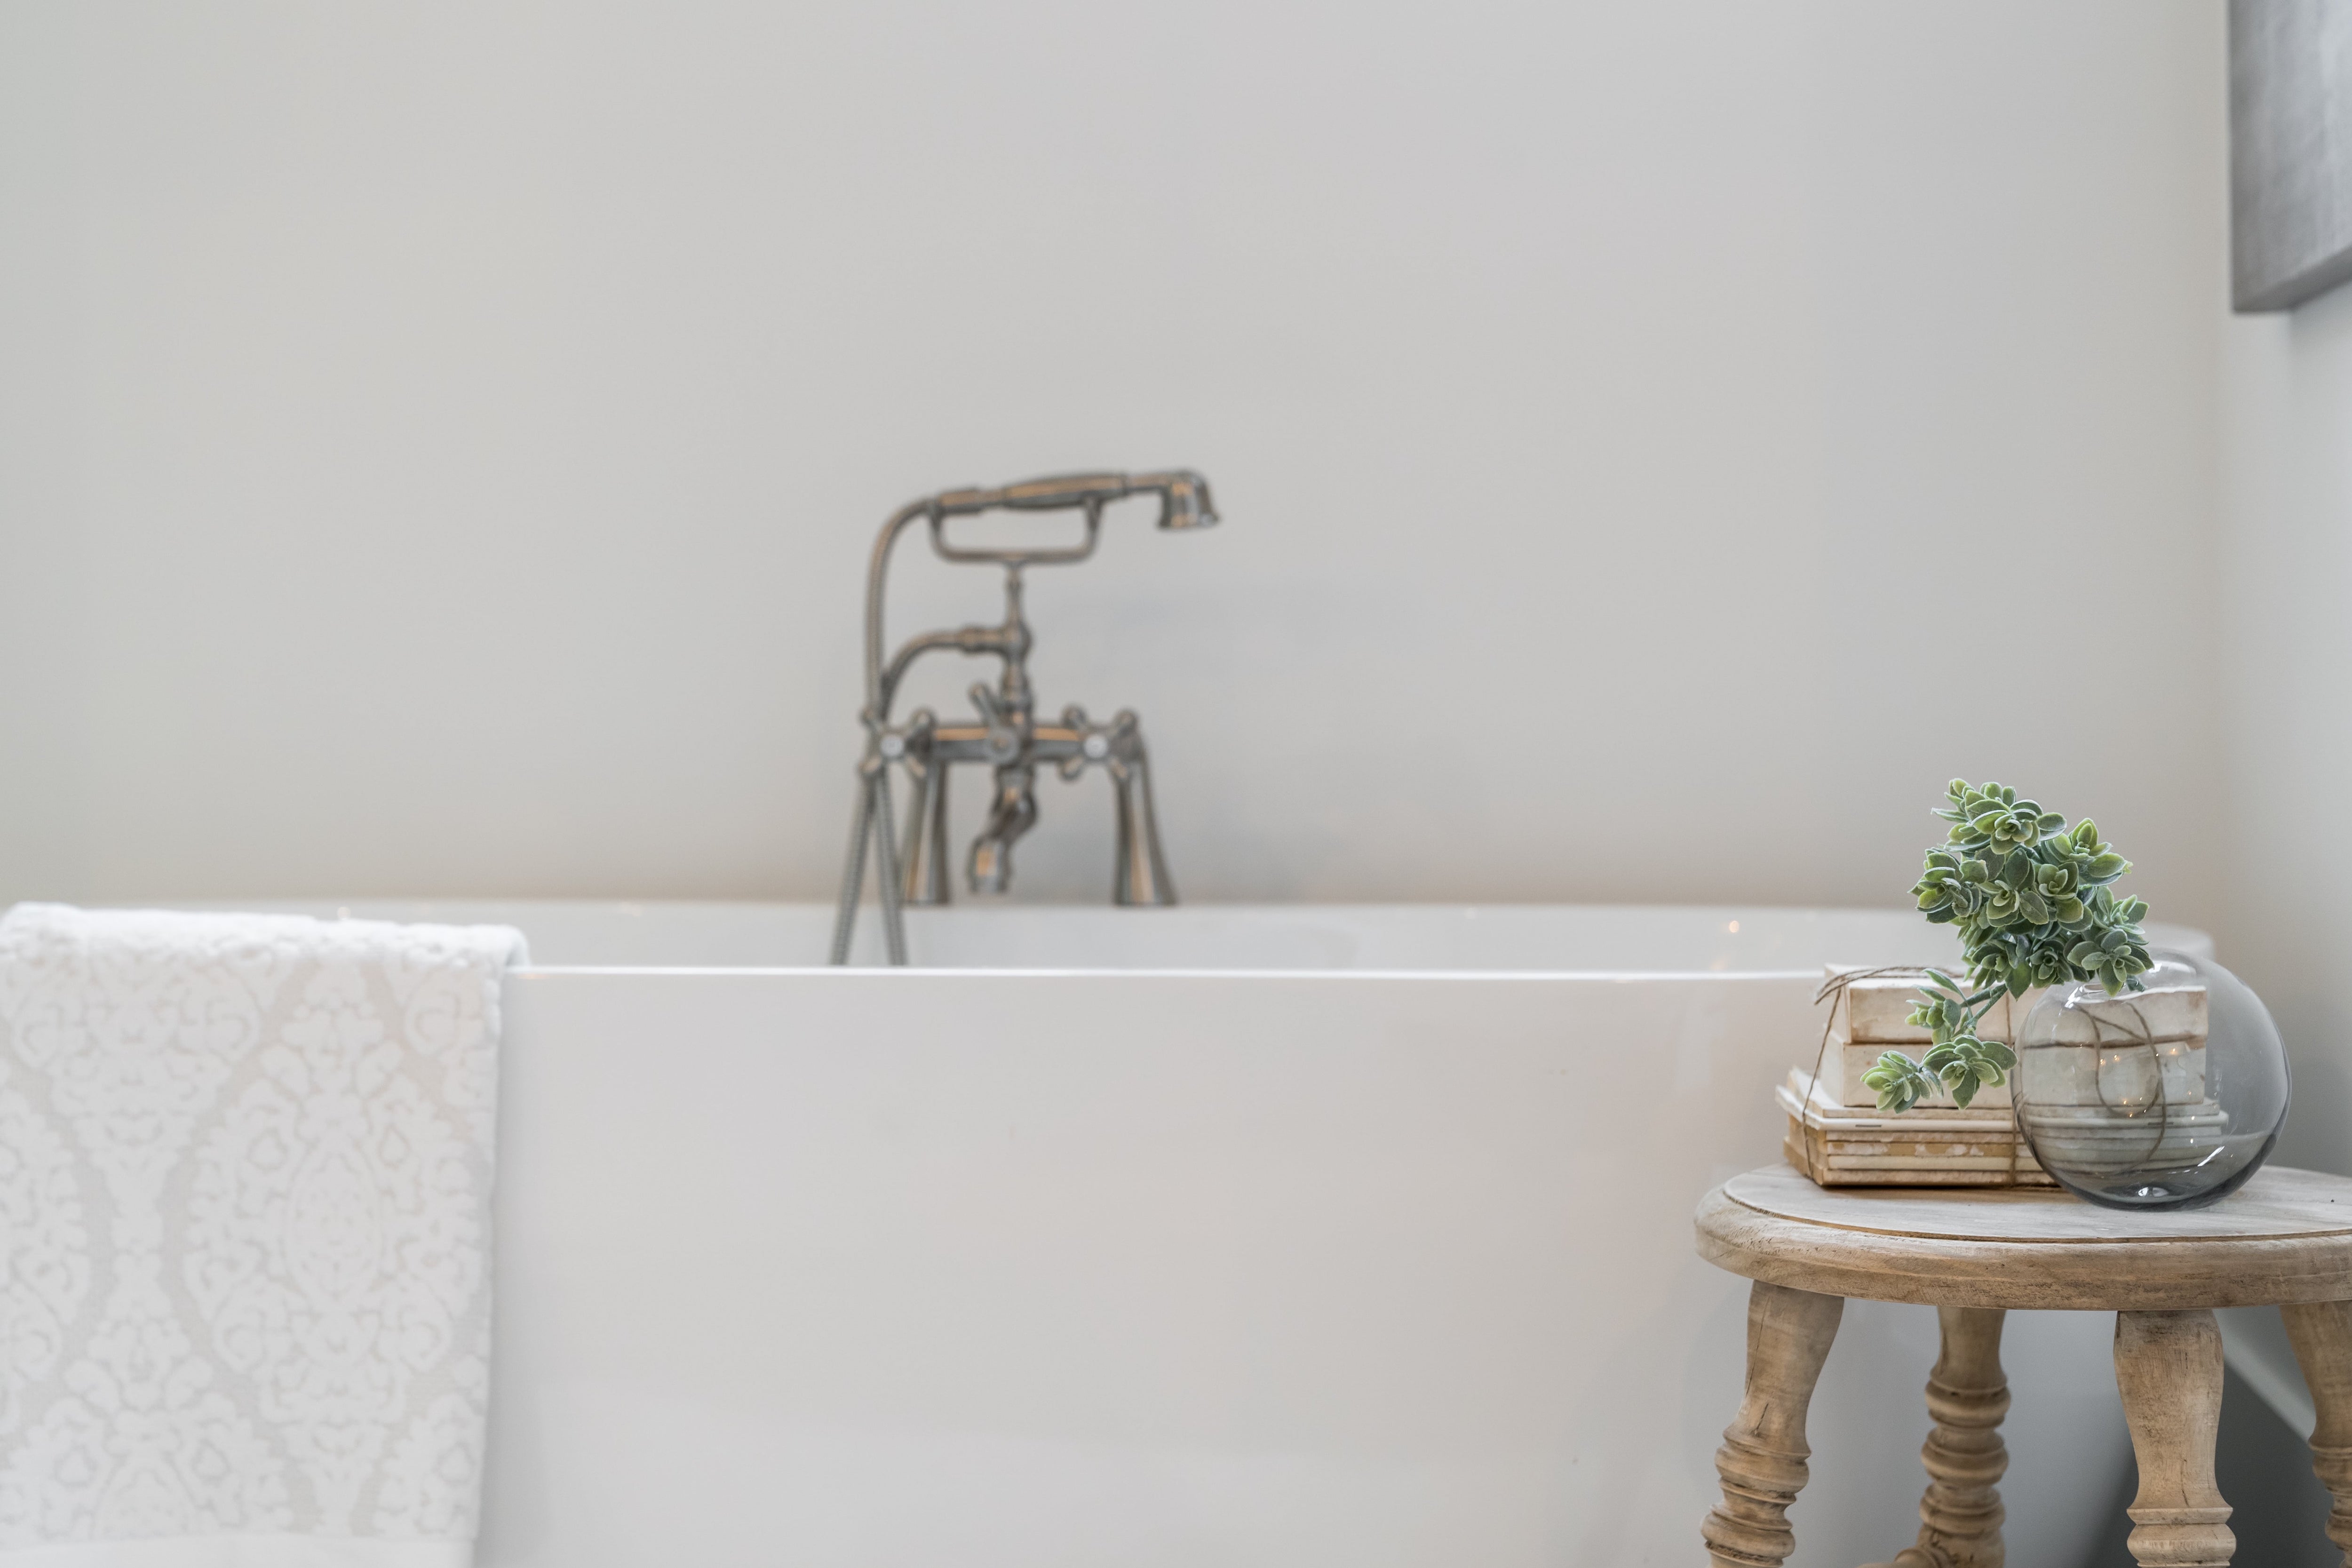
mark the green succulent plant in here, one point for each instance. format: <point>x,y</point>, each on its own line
<point>2033,905</point>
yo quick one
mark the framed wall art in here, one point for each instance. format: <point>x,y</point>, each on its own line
<point>2290,151</point>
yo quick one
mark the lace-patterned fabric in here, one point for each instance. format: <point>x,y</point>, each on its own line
<point>245,1180</point>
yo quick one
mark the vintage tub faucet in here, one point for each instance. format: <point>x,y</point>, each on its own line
<point>1007,736</point>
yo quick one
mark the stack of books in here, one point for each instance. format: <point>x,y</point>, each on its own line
<point>2119,1088</point>
<point>1837,1134</point>
<point>1871,1017</point>
<point>1927,1146</point>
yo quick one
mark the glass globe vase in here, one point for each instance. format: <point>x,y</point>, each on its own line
<point>2168,1098</point>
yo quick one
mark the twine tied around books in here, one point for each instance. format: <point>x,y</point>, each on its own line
<point>1832,990</point>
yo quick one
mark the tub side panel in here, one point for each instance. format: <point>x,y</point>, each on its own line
<point>955,1271</point>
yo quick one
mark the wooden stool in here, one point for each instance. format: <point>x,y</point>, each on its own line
<point>2284,1239</point>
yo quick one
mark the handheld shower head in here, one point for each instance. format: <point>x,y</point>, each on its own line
<point>1183,497</point>
<point>1184,503</point>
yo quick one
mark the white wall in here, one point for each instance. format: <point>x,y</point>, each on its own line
<point>439,443</point>
<point>2288,698</point>
<point>2286,736</point>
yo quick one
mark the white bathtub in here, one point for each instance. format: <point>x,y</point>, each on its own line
<point>1180,1237</point>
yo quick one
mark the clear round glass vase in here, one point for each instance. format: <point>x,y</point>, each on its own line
<point>2168,1098</point>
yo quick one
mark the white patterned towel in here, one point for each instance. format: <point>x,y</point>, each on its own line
<point>245,1184</point>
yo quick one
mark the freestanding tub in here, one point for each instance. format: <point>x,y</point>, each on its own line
<point>1167,1238</point>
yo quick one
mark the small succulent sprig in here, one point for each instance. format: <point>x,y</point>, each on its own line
<point>2034,906</point>
<point>1957,1058</point>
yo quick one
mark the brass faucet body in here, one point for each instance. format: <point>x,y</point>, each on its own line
<point>911,867</point>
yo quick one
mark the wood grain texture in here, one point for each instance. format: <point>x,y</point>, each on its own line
<point>2321,1332</point>
<point>2285,1237</point>
<point>1762,1460</point>
<point>1968,1394</point>
<point>2278,1201</point>
<point>2168,1370</point>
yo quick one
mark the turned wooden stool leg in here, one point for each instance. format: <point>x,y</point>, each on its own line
<point>2169,1368</point>
<point>1959,1519</point>
<point>2322,1335</point>
<point>1762,1460</point>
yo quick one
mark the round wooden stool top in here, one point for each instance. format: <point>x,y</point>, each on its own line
<point>2284,1236</point>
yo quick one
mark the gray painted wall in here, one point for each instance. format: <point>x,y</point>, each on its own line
<point>439,443</point>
